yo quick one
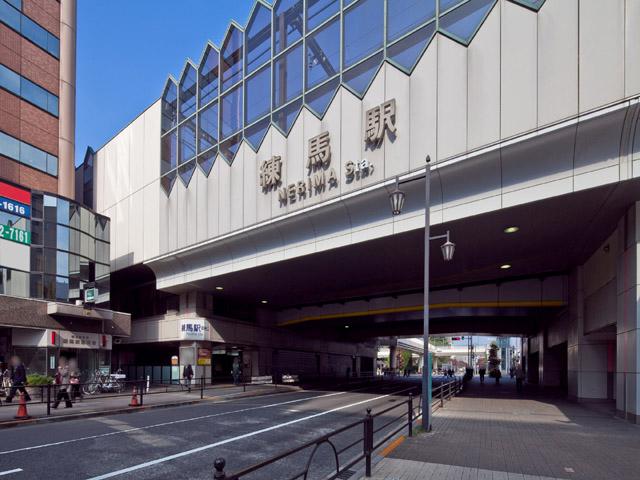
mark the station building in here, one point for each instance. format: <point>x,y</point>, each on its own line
<point>52,246</point>
<point>250,212</point>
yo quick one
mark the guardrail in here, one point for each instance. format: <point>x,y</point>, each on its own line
<point>368,439</point>
<point>47,394</point>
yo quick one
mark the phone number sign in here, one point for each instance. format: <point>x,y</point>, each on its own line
<point>15,234</point>
<point>15,200</point>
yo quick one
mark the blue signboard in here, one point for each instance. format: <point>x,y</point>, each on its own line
<point>11,206</point>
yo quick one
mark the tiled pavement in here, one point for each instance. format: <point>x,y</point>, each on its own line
<point>492,433</point>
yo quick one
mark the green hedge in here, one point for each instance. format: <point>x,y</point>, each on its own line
<point>35,379</point>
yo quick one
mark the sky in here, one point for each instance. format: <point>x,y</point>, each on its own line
<point>127,48</point>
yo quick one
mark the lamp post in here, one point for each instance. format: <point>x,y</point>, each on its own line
<point>396,198</point>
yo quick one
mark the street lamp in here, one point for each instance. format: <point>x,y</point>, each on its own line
<point>396,198</point>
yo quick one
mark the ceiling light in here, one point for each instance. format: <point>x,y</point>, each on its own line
<point>264,301</point>
<point>346,326</point>
<point>219,288</point>
<point>512,229</point>
<point>505,266</point>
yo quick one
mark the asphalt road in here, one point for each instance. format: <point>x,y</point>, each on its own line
<point>182,442</point>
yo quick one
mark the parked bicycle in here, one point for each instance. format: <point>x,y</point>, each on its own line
<point>101,382</point>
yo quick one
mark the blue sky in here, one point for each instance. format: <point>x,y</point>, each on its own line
<point>126,49</point>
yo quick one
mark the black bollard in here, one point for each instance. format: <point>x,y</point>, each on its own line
<point>219,464</point>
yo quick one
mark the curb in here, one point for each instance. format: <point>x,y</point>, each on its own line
<point>118,411</point>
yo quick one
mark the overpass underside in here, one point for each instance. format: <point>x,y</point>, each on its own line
<point>570,289</point>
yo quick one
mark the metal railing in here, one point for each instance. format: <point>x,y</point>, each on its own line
<point>47,394</point>
<point>367,438</point>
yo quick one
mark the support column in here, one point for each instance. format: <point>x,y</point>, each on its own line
<point>587,357</point>
<point>67,99</point>
<point>628,321</point>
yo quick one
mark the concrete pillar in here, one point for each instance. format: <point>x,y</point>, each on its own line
<point>67,99</point>
<point>628,319</point>
<point>587,355</point>
<point>393,359</point>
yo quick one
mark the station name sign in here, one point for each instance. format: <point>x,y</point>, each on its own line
<point>320,174</point>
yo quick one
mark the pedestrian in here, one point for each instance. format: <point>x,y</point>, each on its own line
<point>74,380</point>
<point>18,379</point>
<point>519,378</point>
<point>63,380</point>
<point>187,375</point>
<point>482,371</point>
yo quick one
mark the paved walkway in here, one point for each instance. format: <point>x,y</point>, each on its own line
<point>101,405</point>
<point>492,433</point>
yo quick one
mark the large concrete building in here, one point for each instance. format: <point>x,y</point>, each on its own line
<point>250,211</point>
<point>51,247</point>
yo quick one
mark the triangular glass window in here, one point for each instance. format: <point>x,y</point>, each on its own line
<point>230,147</point>
<point>186,172</point>
<point>464,21</point>
<point>360,77</point>
<point>256,132</point>
<point>207,159</point>
<point>169,106</point>
<point>231,58</point>
<point>167,181</point>
<point>208,72</point>
<point>188,83</point>
<point>318,100</point>
<point>406,52</point>
<point>285,117</point>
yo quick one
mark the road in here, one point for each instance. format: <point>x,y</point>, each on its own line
<point>182,442</point>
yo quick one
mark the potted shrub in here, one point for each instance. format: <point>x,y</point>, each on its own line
<point>36,383</point>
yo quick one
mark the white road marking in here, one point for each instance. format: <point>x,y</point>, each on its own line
<point>235,439</point>
<point>135,429</point>
<point>9,472</point>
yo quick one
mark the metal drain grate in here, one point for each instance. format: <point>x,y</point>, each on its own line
<point>346,475</point>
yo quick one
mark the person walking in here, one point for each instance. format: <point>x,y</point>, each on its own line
<point>18,380</point>
<point>74,380</point>
<point>63,380</point>
<point>482,371</point>
<point>187,375</point>
<point>519,378</point>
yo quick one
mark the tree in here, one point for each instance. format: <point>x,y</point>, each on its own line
<point>439,341</point>
<point>494,362</point>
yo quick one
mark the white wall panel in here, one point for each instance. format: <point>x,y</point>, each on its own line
<point>398,86</point>
<point>151,157</point>
<point>375,97</point>
<point>484,83</point>
<point>151,218</point>
<point>121,222</point>
<point>224,197</point>
<point>190,209</point>
<point>14,255</point>
<point>250,188</point>
<point>452,98</point>
<point>332,123</point>
<point>312,126</point>
<point>601,53</point>
<point>294,164</point>
<point>182,223</point>
<point>99,194</point>
<point>170,230</point>
<point>519,84</point>
<point>213,199</point>
<point>136,160</point>
<point>135,226</point>
<point>423,107</point>
<point>279,148</point>
<point>350,123</point>
<point>557,60</point>
<point>122,186</point>
<point>263,200</point>
<point>632,48</point>
<point>237,189</point>
<point>199,182</point>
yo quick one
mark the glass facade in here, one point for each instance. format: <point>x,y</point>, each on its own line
<point>297,53</point>
<point>11,16</point>
<point>29,155</point>
<point>29,91</point>
<point>69,247</point>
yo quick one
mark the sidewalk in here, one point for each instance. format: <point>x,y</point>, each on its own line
<point>92,406</point>
<point>492,433</point>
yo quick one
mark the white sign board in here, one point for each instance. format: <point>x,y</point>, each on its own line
<point>196,329</point>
